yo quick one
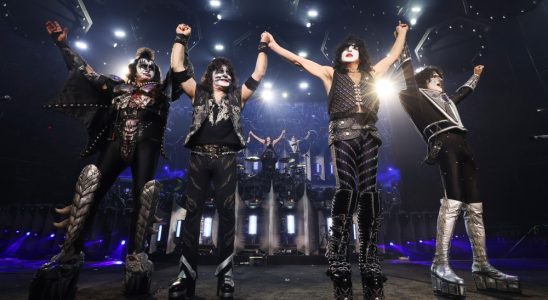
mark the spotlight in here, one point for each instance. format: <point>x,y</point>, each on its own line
<point>219,47</point>
<point>114,45</point>
<point>124,71</point>
<point>312,13</point>
<point>28,233</point>
<point>178,230</point>
<point>303,85</point>
<point>308,24</point>
<point>413,21</point>
<point>52,235</point>
<point>392,244</point>
<point>303,54</point>
<point>268,85</point>
<point>123,242</point>
<point>207,226</point>
<point>267,95</point>
<point>420,241</point>
<point>159,236</point>
<point>416,9</point>
<point>215,3</point>
<point>252,227</point>
<point>17,231</point>
<point>285,95</point>
<point>385,88</point>
<point>81,45</point>
<point>417,70</point>
<point>219,17</point>
<point>119,33</point>
<point>291,224</point>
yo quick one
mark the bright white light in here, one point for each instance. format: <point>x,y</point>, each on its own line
<point>413,21</point>
<point>303,85</point>
<point>331,168</point>
<point>255,165</point>
<point>355,230</point>
<point>267,95</point>
<point>252,228</point>
<point>385,88</point>
<point>123,72</point>
<point>219,47</point>
<point>178,230</point>
<point>291,224</point>
<point>119,33</point>
<point>329,224</point>
<point>308,24</point>
<point>159,237</point>
<point>285,95</point>
<point>417,70</point>
<point>303,54</point>
<point>207,226</point>
<point>268,85</point>
<point>81,45</point>
<point>215,3</point>
<point>115,45</point>
<point>219,17</point>
<point>312,13</point>
<point>416,9</point>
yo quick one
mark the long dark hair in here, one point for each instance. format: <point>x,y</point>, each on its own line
<point>365,61</point>
<point>216,64</point>
<point>425,74</point>
<point>148,54</point>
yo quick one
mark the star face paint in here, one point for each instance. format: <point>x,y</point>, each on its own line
<point>435,82</point>
<point>350,54</point>
<point>221,77</point>
<point>145,69</point>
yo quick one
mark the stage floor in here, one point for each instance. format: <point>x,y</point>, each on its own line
<point>406,280</point>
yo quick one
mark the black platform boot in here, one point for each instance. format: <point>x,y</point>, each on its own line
<point>337,253</point>
<point>225,281</point>
<point>184,287</point>
<point>369,221</point>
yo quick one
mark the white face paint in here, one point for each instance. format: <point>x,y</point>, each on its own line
<point>435,83</point>
<point>350,54</point>
<point>145,70</point>
<point>221,77</point>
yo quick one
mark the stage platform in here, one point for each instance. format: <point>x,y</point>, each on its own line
<point>406,280</point>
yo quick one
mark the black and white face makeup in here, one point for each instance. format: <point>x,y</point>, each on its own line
<point>435,83</point>
<point>221,77</point>
<point>145,69</point>
<point>350,54</point>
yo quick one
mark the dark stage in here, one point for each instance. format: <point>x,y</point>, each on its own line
<point>406,280</point>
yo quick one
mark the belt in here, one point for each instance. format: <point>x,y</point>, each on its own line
<point>212,150</point>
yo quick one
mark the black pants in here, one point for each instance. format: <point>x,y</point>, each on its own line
<point>355,165</point>
<point>458,169</point>
<point>204,171</point>
<point>110,164</point>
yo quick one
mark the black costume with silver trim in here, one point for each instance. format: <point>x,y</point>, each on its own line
<point>125,124</point>
<point>436,117</point>
<point>354,143</point>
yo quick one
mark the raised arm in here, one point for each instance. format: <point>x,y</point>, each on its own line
<point>382,66</point>
<point>73,60</point>
<point>179,55</point>
<point>249,87</point>
<point>262,141</point>
<point>468,87</point>
<point>325,73</point>
<point>282,134</point>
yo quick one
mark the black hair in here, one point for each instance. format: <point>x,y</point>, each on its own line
<point>365,61</point>
<point>216,64</point>
<point>426,74</point>
<point>143,53</point>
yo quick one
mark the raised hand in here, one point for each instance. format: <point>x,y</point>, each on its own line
<point>183,29</point>
<point>56,31</point>
<point>402,28</point>
<point>478,69</point>
<point>271,42</point>
<point>265,37</point>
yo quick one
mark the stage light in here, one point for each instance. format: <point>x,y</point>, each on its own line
<point>118,262</point>
<point>255,165</point>
<point>385,88</point>
<point>420,241</point>
<point>416,9</point>
<point>392,244</point>
<point>303,54</point>
<point>219,17</point>
<point>413,21</point>
<point>119,33</point>
<point>355,231</point>
<point>159,236</point>
<point>215,3</point>
<point>207,226</point>
<point>81,45</point>
<point>312,13</point>
<point>124,71</point>
<point>123,242</point>
<point>303,85</point>
<point>267,95</point>
<point>252,227</point>
<point>331,168</point>
<point>178,230</point>
<point>308,24</point>
<point>219,47</point>
<point>28,233</point>
<point>285,95</point>
<point>52,235</point>
<point>17,231</point>
<point>268,85</point>
<point>114,45</point>
<point>291,224</point>
<point>417,70</point>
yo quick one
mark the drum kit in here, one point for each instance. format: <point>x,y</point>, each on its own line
<point>292,168</point>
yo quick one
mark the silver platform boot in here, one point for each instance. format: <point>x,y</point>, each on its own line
<point>485,275</point>
<point>444,280</point>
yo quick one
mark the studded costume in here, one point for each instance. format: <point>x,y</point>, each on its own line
<point>436,118</point>
<point>125,123</point>
<point>354,143</point>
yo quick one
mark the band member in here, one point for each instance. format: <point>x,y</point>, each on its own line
<point>295,146</point>
<point>354,142</point>
<point>269,157</point>
<point>214,138</point>
<point>436,117</point>
<point>125,121</point>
